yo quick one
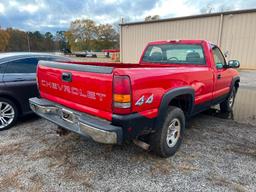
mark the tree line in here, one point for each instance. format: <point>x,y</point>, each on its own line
<point>18,40</point>
<point>82,35</point>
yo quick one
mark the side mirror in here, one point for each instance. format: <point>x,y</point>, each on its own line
<point>219,65</point>
<point>233,64</point>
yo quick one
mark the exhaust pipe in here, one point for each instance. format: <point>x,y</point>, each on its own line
<point>62,132</point>
<point>141,144</point>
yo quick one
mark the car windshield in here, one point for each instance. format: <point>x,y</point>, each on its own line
<point>175,53</point>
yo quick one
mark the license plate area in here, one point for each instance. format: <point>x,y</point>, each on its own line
<point>67,115</point>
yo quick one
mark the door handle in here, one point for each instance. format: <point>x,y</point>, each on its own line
<point>219,76</point>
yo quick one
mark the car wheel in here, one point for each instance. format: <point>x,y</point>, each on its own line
<point>167,139</point>
<point>227,105</point>
<point>8,114</point>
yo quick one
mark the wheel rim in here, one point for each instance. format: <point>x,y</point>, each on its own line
<point>173,132</point>
<point>231,100</point>
<point>6,114</point>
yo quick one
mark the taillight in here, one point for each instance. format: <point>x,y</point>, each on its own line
<point>122,98</point>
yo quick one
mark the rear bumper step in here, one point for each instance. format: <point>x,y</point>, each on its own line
<point>99,130</point>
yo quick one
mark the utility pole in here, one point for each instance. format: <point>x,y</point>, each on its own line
<point>28,42</point>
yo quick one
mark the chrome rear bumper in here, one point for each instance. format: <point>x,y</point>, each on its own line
<point>99,130</point>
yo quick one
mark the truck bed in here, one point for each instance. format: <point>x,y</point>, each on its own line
<point>90,89</point>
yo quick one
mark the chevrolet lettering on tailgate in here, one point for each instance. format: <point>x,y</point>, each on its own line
<point>73,90</point>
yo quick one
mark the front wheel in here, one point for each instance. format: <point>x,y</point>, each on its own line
<point>167,139</point>
<point>227,105</point>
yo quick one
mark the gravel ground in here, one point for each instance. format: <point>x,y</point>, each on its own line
<point>217,155</point>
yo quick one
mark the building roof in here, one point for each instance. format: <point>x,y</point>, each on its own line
<point>192,17</point>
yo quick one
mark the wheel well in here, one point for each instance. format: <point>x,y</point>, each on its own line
<point>14,101</point>
<point>184,102</point>
<point>237,84</point>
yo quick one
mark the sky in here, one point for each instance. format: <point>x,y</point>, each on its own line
<point>55,15</point>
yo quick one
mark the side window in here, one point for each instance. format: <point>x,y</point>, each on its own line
<point>2,67</point>
<point>22,66</point>
<point>218,57</point>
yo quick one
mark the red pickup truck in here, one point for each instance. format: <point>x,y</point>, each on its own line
<point>149,102</point>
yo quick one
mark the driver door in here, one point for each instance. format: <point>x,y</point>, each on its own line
<point>222,76</point>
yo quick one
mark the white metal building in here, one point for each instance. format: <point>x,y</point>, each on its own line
<point>233,31</point>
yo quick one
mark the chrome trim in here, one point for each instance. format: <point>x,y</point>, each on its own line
<point>43,109</point>
<point>98,135</point>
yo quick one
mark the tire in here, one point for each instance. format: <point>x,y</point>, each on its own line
<point>168,138</point>
<point>227,105</point>
<point>8,114</point>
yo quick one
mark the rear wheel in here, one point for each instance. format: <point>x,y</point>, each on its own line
<point>8,114</point>
<point>167,139</point>
<point>227,105</point>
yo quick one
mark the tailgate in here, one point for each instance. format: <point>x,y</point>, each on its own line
<point>85,88</point>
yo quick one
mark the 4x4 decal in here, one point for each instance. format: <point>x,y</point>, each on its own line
<point>143,100</point>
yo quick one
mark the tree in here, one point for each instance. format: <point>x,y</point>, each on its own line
<point>17,40</point>
<point>4,38</point>
<point>36,41</point>
<point>152,18</point>
<point>33,41</point>
<point>87,35</point>
<point>106,32</point>
<point>61,40</point>
<point>48,42</point>
<point>107,37</point>
<point>83,32</point>
<point>70,40</point>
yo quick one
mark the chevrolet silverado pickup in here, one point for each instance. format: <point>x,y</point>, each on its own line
<point>149,102</point>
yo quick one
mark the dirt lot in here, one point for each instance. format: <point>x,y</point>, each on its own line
<point>217,155</point>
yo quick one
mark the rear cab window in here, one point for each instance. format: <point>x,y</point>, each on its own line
<point>175,54</point>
